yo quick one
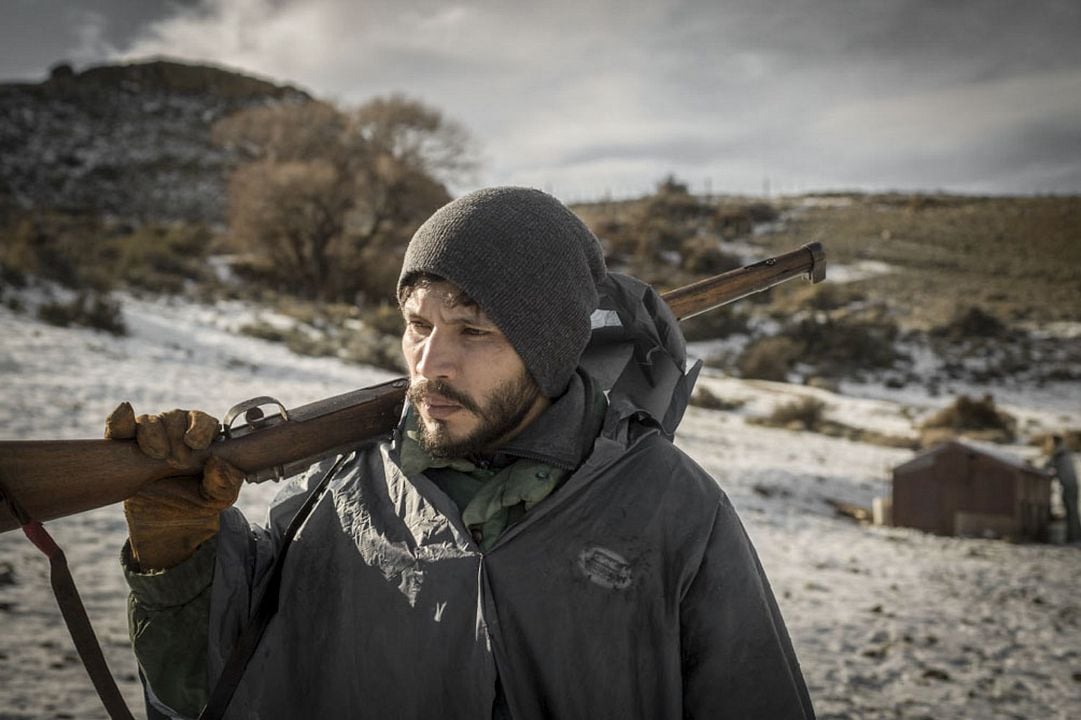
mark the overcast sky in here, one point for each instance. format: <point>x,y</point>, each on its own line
<point>587,97</point>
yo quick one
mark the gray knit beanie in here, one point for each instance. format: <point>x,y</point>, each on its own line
<point>530,264</point>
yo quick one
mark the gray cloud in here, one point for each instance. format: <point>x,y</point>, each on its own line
<point>599,95</point>
<point>36,34</point>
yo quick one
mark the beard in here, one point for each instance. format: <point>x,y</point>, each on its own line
<point>502,412</point>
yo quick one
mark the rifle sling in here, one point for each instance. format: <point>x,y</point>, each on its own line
<point>73,611</point>
<point>267,607</point>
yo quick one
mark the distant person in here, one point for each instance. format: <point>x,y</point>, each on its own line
<point>1060,463</point>
<point>529,543</point>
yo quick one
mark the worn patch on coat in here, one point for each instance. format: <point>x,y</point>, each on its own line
<point>605,567</point>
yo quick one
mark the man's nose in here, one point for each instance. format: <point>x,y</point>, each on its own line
<point>438,356</point>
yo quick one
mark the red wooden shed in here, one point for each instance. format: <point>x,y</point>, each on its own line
<point>961,489</point>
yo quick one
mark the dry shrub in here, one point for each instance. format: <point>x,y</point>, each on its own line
<point>301,340</point>
<point>703,256</point>
<point>821,296</point>
<point>807,413</point>
<point>262,330</point>
<point>977,417</point>
<point>761,212</point>
<point>873,437</point>
<point>769,358</point>
<point>90,253</point>
<point>834,347</point>
<point>731,223</point>
<point>53,246</point>
<point>705,398</point>
<point>89,309</point>
<point>313,344</point>
<point>838,346</point>
<point>673,202</point>
<point>714,324</point>
<point>972,322</point>
<point>162,257</point>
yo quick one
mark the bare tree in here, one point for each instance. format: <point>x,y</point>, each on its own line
<point>406,151</point>
<point>280,133</point>
<point>415,135</point>
<point>329,198</point>
<point>291,214</point>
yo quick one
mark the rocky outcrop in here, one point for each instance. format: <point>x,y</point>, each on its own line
<point>128,141</point>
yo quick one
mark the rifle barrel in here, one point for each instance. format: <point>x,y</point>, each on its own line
<point>713,292</point>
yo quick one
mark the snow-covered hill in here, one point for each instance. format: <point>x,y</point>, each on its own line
<point>888,623</point>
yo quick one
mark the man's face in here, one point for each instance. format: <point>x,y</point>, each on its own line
<point>470,388</point>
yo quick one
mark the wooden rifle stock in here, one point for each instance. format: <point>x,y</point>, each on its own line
<point>55,478</point>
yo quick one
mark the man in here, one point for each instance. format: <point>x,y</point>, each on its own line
<point>528,544</point>
<point>1060,463</point>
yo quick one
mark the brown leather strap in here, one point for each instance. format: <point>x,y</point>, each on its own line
<point>71,607</point>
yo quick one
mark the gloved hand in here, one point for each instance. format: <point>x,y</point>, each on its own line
<point>170,518</point>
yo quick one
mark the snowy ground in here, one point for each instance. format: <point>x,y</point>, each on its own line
<point>888,623</point>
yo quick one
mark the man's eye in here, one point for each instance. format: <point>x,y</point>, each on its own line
<point>474,331</point>
<point>419,326</point>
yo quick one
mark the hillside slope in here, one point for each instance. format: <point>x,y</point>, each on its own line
<point>1016,257</point>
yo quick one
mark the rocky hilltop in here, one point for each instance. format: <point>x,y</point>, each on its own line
<point>130,141</point>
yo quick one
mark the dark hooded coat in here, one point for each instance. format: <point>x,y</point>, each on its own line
<point>632,591</point>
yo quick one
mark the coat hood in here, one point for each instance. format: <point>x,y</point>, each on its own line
<point>639,357</point>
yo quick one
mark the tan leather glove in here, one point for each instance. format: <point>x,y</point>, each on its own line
<point>169,519</point>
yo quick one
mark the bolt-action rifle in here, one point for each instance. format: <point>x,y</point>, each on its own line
<point>50,479</point>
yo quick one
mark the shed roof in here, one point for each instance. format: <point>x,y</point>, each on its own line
<point>927,457</point>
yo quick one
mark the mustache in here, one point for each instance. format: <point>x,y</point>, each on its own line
<point>418,389</point>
